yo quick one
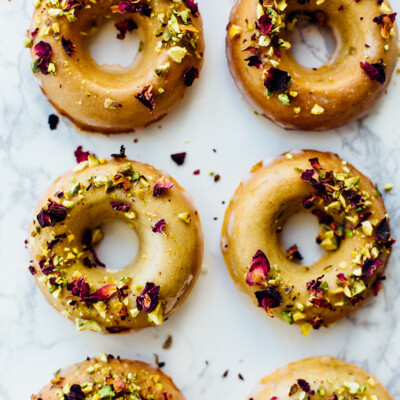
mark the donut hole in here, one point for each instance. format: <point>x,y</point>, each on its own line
<point>111,53</point>
<point>301,229</point>
<point>119,245</point>
<point>312,44</point>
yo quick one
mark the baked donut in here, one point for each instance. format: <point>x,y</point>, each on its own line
<point>66,228</point>
<point>320,378</point>
<point>355,234</point>
<point>112,99</point>
<point>314,99</point>
<point>109,377</point>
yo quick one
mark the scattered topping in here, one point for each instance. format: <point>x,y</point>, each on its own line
<point>121,154</point>
<point>75,393</point>
<point>268,298</point>
<point>317,110</point>
<point>162,185</point>
<point>277,80</point>
<point>43,51</point>
<point>53,121</point>
<point>376,72</point>
<point>52,214</point>
<point>81,155</point>
<point>190,75</point>
<point>177,53</point>
<point>192,6</point>
<point>382,234</point>
<point>148,299</point>
<point>145,96</point>
<point>124,207</point>
<point>102,294</point>
<point>293,253</point>
<point>67,45</point>
<point>179,158</point>
<point>159,226</point>
<point>259,270</point>
<point>123,26</point>
<point>131,6</point>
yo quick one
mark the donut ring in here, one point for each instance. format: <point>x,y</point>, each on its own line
<point>112,99</point>
<point>65,229</point>
<point>355,232</point>
<point>296,97</point>
<point>107,377</point>
<point>320,378</point>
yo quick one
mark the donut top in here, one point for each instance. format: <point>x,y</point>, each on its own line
<point>106,377</point>
<point>65,231</point>
<point>175,33</point>
<point>320,378</point>
<point>343,208</point>
<point>264,43</point>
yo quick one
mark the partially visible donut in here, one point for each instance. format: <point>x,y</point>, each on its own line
<point>296,97</point>
<point>355,234</point>
<point>65,230</point>
<point>320,378</point>
<point>107,377</point>
<point>112,99</point>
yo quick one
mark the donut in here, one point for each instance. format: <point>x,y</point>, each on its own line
<point>320,378</point>
<point>314,99</point>
<point>109,377</point>
<point>65,230</point>
<point>112,99</point>
<point>355,235</point>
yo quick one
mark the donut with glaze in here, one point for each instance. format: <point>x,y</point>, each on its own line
<point>110,98</point>
<point>66,229</point>
<point>355,235</point>
<point>320,378</point>
<point>109,377</point>
<point>315,99</point>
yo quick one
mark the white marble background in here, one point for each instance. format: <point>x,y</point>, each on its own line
<point>217,329</point>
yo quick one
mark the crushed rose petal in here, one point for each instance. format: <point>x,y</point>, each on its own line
<point>148,299</point>
<point>162,185</point>
<point>259,270</point>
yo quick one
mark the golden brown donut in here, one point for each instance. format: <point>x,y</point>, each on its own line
<point>296,97</point>
<point>106,377</point>
<point>320,378</point>
<point>112,99</point>
<point>355,233</point>
<point>66,228</point>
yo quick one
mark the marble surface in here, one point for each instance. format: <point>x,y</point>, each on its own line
<point>217,328</point>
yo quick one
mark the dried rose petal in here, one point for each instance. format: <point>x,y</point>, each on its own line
<point>376,72</point>
<point>192,6</point>
<point>52,214</point>
<point>67,45</point>
<point>72,4</point>
<point>323,217</point>
<point>145,96</point>
<point>79,287</point>
<point>123,26</point>
<point>369,266</point>
<point>159,226</point>
<point>254,61</point>
<point>126,6</point>
<point>161,186</point>
<point>179,158</point>
<point>316,321</point>
<point>305,386</point>
<point>124,207</point>
<point>342,279</point>
<point>75,393</point>
<point>321,303</point>
<point>81,155</point>
<point>121,153</point>
<point>277,80</point>
<point>268,298</point>
<point>32,270</point>
<point>314,284</point>
<point>382,233</point>
<point>293,253</point>
<point>102,294</point>
<point>148,299</point>
<point>43,50</point>
<point>190,75</point>
<point>265,24</point>
<point>315,163</point>
<point>259,270</point>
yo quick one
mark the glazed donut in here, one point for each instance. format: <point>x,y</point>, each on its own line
<point>66,228</point>
<point>296,97</point>
<point>112,99</point>
<point>320,378</point>
<point>355,234</point>
<point>109,377</point>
